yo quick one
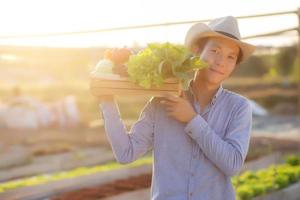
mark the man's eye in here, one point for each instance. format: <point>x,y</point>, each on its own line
<point>214,50</point>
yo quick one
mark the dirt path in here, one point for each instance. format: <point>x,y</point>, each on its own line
<point>108,190</point>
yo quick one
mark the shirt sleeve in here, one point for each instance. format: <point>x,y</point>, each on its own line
<point>128,146</point>
<point>227,153</point>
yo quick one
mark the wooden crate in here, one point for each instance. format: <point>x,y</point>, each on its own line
<point>122,86</point>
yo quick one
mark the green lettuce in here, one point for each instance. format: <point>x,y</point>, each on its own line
<point>160,61</point>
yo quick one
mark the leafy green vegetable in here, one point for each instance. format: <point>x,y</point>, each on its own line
<point>77,172</point>
<point>247,185</point>
<point>158,62</point>
<point>254,183</point>
<point>245,192</point>
<point>293,160</point>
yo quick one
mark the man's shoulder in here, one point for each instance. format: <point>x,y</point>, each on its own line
<point>153,103</point>
<point>236,98</point>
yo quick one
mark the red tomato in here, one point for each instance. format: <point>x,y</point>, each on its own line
<point>120,56</point>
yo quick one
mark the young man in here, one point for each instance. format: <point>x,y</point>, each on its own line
<point>200,139</point>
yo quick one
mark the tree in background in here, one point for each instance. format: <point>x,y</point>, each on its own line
<point>295,71</point>
<point>255,66</point>
<point>285,59</point>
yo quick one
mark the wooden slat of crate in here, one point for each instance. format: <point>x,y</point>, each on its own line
<point>103,91</point>
<point>125,87</point>
<point>129,85</point>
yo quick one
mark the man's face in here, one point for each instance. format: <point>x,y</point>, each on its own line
<point>221,55</point>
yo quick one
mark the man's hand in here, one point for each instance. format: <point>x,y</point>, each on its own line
<point>179,107</point>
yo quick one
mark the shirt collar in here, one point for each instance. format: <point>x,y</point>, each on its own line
<point>217,94</point>
<point>219,91</point>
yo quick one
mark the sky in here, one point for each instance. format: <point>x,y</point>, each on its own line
<point>52,16</point>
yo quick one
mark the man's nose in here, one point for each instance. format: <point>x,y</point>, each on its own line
<point>220,61</point>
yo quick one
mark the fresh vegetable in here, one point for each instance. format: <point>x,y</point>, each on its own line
<point>293,160</point>
<point>104,69</point>
<point>247,185</point>
<point>81,171</point>
<point>158,62</point>
<point>104,66</point>
<point>251,184</point>
<point>108,54</point>
<point>119,56</point>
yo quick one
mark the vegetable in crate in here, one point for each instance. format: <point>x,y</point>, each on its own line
<point>104,66</point>
<point>119,57</point>
<point>158,62</point>
<point>113,63</point>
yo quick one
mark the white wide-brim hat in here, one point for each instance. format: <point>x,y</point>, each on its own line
<point>225,27</point>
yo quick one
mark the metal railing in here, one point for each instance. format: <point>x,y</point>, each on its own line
<point>122,28</point>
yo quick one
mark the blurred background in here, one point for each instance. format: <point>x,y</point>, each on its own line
<point>51,127</point>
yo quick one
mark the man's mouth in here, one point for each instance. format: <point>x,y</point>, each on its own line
<point>211,69</point>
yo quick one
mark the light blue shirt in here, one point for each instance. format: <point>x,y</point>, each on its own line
<point>193,160</point>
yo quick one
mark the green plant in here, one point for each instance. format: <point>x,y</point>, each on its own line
<point>81,171</point>
<point>285,59</point>
<point>158,62</point>
<point>254,183</point>
<point>245,192</point>
<point>248,185</point>
<point>293,160</point>
<point>294,76</point>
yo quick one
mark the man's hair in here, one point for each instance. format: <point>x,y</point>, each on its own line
<point>200,44</point>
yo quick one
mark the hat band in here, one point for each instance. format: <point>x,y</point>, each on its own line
<point>228,34</point>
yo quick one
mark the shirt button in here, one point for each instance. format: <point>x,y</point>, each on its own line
<point>191,194</point>
<point>193,174</point>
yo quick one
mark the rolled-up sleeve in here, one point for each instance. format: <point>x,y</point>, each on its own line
<point>227,153</point>
<point>128,146</point>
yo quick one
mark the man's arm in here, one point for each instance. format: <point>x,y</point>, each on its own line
<point>128,146</point>
<point>227,154</point>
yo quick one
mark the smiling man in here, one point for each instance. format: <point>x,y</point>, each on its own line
<point>199,139</point>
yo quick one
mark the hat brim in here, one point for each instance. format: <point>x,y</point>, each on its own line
<point>201,30</point>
